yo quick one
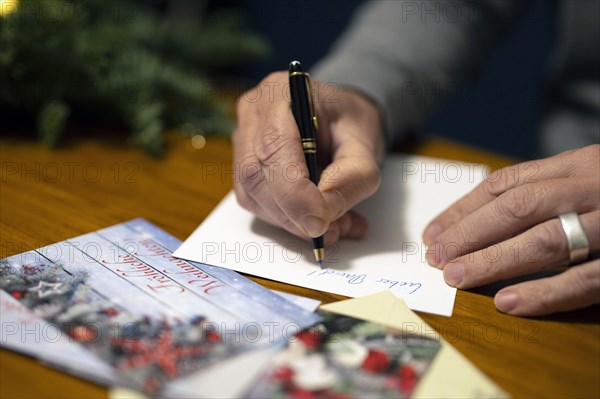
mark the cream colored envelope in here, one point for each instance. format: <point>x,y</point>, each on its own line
<point>451,375</point>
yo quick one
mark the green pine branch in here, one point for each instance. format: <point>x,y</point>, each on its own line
<point>62,56</point>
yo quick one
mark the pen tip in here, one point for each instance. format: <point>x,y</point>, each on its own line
<point>319,254</point>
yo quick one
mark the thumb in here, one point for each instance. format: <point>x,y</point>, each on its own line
<point>577,287</point>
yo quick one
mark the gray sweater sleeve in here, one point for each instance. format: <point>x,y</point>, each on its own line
<point>406,55</point>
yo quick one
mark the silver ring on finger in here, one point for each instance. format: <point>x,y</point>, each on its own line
<point>579,246</point>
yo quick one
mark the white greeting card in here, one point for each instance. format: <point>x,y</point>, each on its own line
<point>413,190</point>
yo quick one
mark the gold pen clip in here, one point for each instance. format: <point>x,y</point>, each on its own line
<point>313,115</point>
<point>310,147</point>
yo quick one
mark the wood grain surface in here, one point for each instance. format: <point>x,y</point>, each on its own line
<point>50,195</point>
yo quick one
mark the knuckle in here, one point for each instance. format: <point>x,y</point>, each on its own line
<point>459,233</point>
<point>272,143</point>
<point>489,269</point>
<point>550,239</point>
<point>517,204</point>
<point>454,243</point>
<point>501,180</point>
<point>250,177</point>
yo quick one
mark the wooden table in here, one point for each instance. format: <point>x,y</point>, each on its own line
<point>51,195</point>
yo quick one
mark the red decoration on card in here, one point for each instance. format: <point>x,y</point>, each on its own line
<point>83,333</point>
<point>302,394</point>
<point>376,362</point>
<point>31,269</point>
<point>310,339</point>
<point>17,294</point>
<point>162,352</point>
<point>283,374</point>
<point>213,336</point>
<point>112,312</point>
<point>409,378</point>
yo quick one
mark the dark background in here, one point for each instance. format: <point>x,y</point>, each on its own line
<point>499,110</point>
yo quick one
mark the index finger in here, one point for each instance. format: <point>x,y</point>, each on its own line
<point>495,185</point>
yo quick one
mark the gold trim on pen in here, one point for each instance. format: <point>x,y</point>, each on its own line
<point>319,254</point>
<point>309,145</point>
<point>300,74</point>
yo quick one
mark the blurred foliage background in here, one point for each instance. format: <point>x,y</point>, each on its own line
<point>120,62</point>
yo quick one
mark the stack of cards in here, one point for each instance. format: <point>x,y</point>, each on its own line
<point>116,306</point>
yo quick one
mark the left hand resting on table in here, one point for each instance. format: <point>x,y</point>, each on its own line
<point>508,226</point>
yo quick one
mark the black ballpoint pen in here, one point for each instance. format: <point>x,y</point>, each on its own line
<point>306,119</point>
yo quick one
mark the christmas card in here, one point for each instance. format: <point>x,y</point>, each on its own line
<point>345,357</point>
<point>450,374</point>
<point>116,306</point>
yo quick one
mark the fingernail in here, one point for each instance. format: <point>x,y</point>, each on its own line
<point>313,225</point>
<point>454,273</point>
<point>431,233</point>
<point>506,301</point>
<point>335,203</point>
